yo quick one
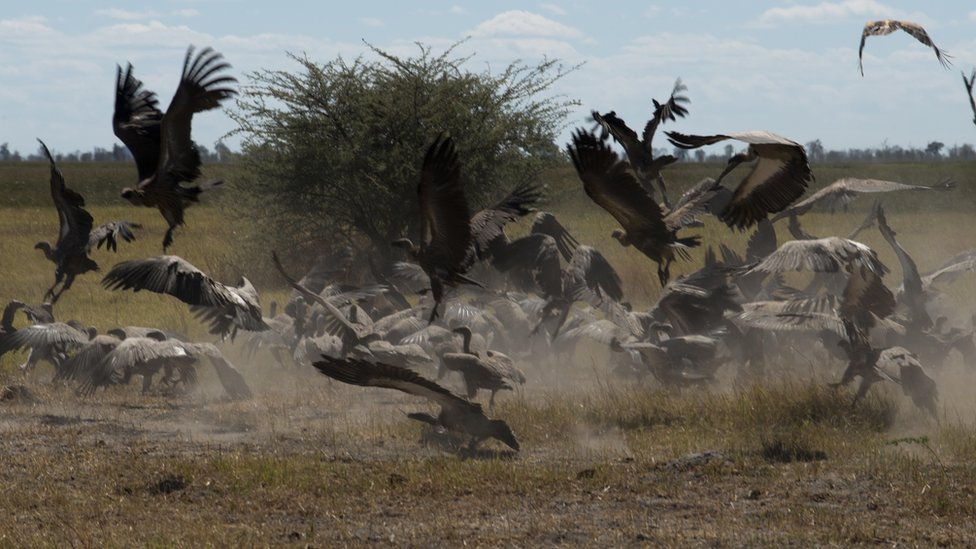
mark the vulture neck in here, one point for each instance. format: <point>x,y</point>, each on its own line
<point>46,248</point>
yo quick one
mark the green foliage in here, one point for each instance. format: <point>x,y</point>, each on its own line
<point>334,151</point>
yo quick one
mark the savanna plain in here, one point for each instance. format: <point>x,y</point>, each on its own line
<point>771,458</point>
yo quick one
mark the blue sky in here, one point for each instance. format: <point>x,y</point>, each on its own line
<point>787,66</point>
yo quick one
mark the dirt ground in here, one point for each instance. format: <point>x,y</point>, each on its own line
<point>315,463</point>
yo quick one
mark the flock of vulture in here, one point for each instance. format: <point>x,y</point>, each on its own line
<point>490,303</point>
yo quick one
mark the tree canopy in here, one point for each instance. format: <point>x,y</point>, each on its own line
<point>332,152</point>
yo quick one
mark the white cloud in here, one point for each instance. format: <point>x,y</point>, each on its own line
<point>456,10</point>
<point>827,12</point>
<point>553,9</point>
<point>126,15</point>
<point>372,22</point>
<point>972,15</point>
<point>186,12</point>
<point>26,26</point>
<point>523,23</point>
<point>735,83</point>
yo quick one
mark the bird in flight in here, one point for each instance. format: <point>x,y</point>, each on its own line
<point>780,173</point>
<point>164,153</point>
<point>77,235</point>
<point>969,91</point>
<point>888,26</point>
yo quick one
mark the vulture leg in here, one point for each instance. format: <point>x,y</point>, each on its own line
<point>146,382</point>
<point>64,287</point>
<point>664,191</point>
<point>862,390</point>
<point>30,363</point>
<point>664,272</point>
<point>50,295</point>
<point>437,291</point>
<point>168,239</point>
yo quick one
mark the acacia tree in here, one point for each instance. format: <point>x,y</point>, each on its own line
<point>332,153</point>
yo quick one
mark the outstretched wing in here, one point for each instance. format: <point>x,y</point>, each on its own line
<point>110,233</point>
<point>827,255</point>
<point>611,124</point>
<point>919,34</point>
<point>780,175</point>
<point>43,336</point>
<point>489,223</point>
<point>546,223</point>
<point>597,272</point>
<point>444,209</point>
<point>860,50</point>
<point>969,91</point>
<point>137,120</point>
<point>670,110</point>
<point>377,374</point>
<point>841,192</point>
<point>168,274</point>
<point>201,88</point>
<point>75,222</point>
<point>702,198</point>
<point>611,183</point>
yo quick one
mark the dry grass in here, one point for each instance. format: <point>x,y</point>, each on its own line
<point>604,462</point>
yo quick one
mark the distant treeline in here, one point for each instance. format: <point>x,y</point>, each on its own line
<point>934,151</point>
<point>118,153</point>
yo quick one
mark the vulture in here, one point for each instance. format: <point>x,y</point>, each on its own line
<point>864,295</point>
<point>326,269</point>
<point>682,361</point>
<point>160,143</point>
<point>841,192</point>
<point>108,360</point>
<point>639,150</point>
<point>76,234</point>
<point>895,364</point>
<point>779,176</point>
<point>41,314</point>
<point>913,293</point>
<point>334,321</point>
<point>225,308</point>
<point>457,414</point>
<point>546,223</point>
<point>960,263</point>
<point>589,276</point>
<point>968,82</point>
<point>611,183</point>
<point>445,228</point>
<point>50,341</point>
<point>493,372</point>
<point>888,26</point>
<point>487,226</point>
<point>533,260</point>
